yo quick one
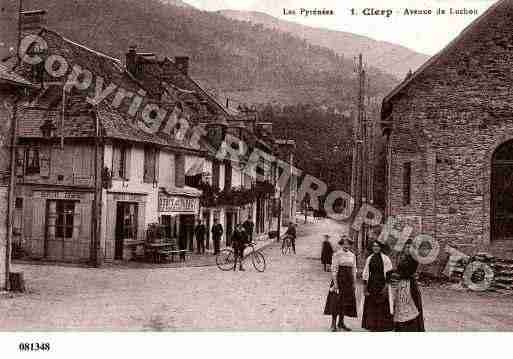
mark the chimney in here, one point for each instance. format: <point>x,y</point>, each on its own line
<point>32,21</point>
<point>131,60</point>
<point>182,63</point>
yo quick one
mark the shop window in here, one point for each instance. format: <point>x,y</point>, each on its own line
<point>120,161</point>
<point>150,165</point>
<point>32,163</point>
<point>169,226</point>
<point>65,213</point>
<point>406,183</point>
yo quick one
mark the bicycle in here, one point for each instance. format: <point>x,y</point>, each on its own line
<point>225,260</point>
<point>286,247</point>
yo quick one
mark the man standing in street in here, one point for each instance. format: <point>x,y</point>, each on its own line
<point>239,240</point>
<point>291,233</point>
<point>217,232</point>
<point>200,231</point>
<point>248,228</point>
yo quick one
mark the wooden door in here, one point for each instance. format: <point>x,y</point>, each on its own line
<point>502,193</point>
<point>126,226</point>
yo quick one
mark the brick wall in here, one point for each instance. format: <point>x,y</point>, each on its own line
<point>457,112</point>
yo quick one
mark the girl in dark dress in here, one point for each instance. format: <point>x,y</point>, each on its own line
<point>341,299</point>
<point>326,253</point>
<point>405,272</point>
<point>377,306</point>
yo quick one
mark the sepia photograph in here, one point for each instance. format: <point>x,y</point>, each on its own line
<point>255,166</point>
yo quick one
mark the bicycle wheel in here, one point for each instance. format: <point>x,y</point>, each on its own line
<point>286,248</point>
<point>225,260</point>
<point>258,260</point>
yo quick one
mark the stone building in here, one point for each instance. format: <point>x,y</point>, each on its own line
<point>449,129</point>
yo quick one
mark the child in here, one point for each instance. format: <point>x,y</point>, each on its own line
<point>327,253</point>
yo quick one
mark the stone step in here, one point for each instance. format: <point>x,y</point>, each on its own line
<point>503,279</point>
<point>502,286</point>
<point>502,261</point>
<point>504,272</point>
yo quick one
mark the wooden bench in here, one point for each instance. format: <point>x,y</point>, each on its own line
<point>170,253</point>
<point>166,248</point>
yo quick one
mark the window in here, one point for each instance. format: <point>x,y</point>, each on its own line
<point>32,166</point>
<point>120,161</point>
<point>228,175</point>
<point>406,183</point>
<point>65,211</point>
<point>150,165</point>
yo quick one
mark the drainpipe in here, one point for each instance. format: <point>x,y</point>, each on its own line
<point>388,211</point>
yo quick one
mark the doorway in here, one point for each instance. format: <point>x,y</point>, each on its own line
<point>231,221</point>
<point>186,231</point>
<point>502,193</point>
<point>126,226</point>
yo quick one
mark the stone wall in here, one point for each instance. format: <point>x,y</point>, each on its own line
<point>3,233</point>
<point>457,112</point>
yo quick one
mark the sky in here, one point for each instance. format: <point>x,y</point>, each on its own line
<point>424,33</point>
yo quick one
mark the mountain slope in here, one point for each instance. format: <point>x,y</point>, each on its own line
<point>391,58</point>
<point>229,56</point>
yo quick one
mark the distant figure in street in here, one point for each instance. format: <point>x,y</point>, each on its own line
<point>408,312</point>
<point>326,253</point>
<point>217,232</point>
<point>200,232</point>
<point>291,233</point>
<point>239,241</point>
<point>182,245</point>
<point>249,227</point>
<point>377,315</point>
<point>341,299</point>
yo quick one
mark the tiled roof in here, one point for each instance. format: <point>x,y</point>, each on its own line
<point>80,121</point>
<point>82,125</point>
<point>7,75</point>
<point>31,119</point>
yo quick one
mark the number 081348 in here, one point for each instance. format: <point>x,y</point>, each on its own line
<point>34,347</point>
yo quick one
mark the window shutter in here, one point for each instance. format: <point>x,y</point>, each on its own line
<point>157,165</point>
<point>149,165</point>
<point>128,162</point>
<point>116,161</point>
<point>215,174</point>
<point>180,170</point>
<point>45,161</point>
<point>228,176</point>
<point>20,161</point>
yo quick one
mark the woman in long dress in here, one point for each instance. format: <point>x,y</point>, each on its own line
<point>326,253</point>
<point>376,308</point>
<point>341,301</point>
<point>408,316</point>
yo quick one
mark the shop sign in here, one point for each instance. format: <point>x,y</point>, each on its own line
<point>76,196</point>
<point>126,197</point>
<point>178,204</point>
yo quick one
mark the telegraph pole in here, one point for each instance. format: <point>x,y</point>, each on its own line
<point>358,171</point>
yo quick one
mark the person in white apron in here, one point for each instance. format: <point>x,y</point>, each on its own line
<point>408,312</point>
